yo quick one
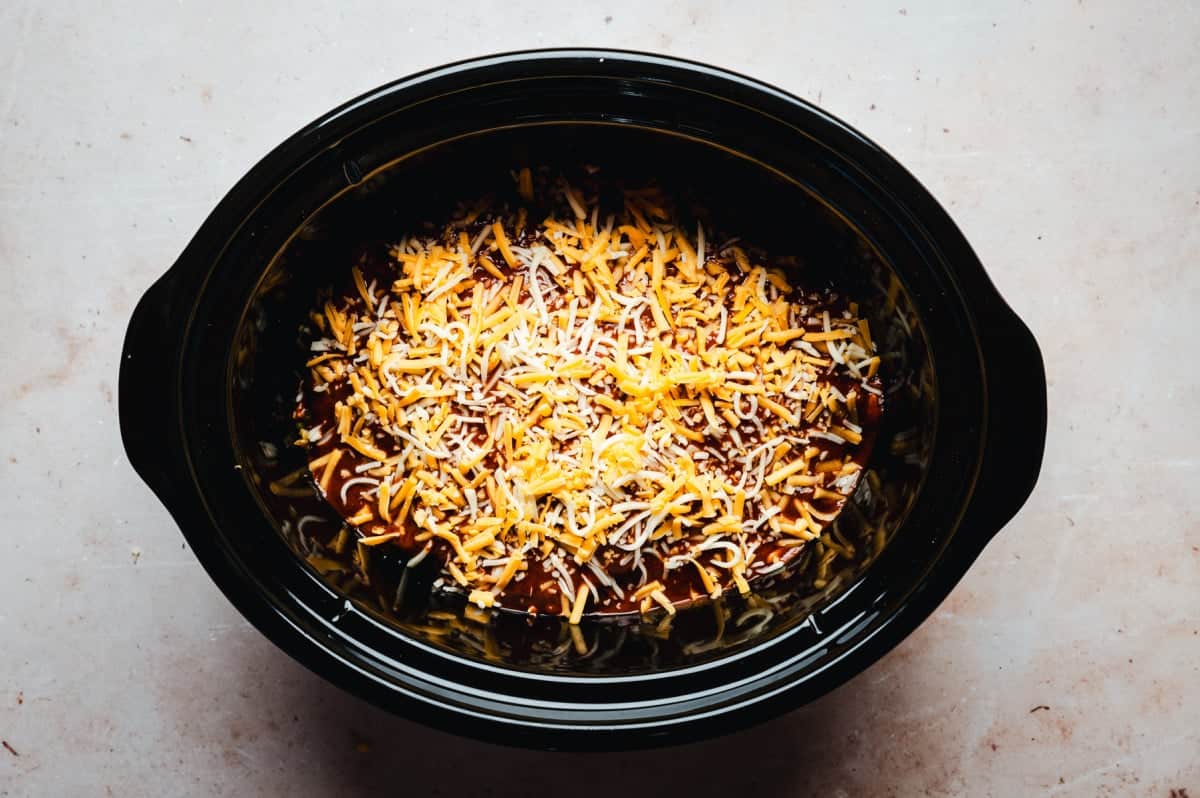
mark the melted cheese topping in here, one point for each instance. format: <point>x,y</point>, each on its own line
<point>584,393</point>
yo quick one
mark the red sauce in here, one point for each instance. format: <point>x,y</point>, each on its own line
<point>538,588</point>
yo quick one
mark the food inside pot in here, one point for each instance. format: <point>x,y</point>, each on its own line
<point>575,399</point>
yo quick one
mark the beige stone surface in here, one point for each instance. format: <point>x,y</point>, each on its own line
<point>1063,136</point>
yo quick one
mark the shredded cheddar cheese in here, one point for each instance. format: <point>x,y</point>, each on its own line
<point>603,401</point>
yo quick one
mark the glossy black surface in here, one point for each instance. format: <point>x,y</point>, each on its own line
<point>210,349</point>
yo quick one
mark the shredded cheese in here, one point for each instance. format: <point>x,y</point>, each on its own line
<point>582,391</point>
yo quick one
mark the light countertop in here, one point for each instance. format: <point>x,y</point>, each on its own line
<point>1064,138</point>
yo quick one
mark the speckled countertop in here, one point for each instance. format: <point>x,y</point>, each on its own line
<point>1062,136</point>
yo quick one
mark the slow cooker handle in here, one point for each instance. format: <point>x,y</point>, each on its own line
<point>147,396</point>
<point>1016,432</point>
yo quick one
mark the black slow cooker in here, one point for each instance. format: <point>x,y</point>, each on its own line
<point>211,364</point>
